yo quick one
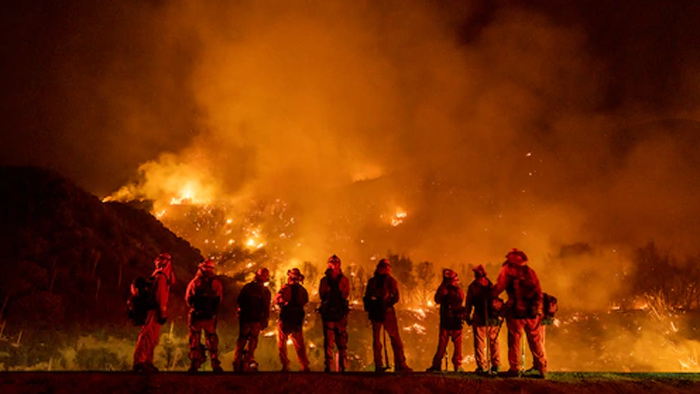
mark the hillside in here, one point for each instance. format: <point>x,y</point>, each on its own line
<point>68,259</point>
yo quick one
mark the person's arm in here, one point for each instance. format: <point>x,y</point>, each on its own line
<point>218,288</point>
<point>501,282</point>
<point>440,294</point>
<point>539,299</point>
<point>189,293</point>
<point>393,292</point>
<point>323,289</point>
<point>344,287</point>
<point>268,297</point>
<point>304,296</point>
<point>162,290</point>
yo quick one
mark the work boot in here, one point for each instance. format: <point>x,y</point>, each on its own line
<point>512,373</point>
<point>404,369</point>
<point>193,368</point>
<point>494,370</point>
<point>285,368</point>
<point>433,369</point>
<point>305,368</point>
<point>380,368</point>
<point>479,371</point>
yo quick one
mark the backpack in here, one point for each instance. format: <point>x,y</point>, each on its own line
<point>375,299</point>
<point>334,308</point>
<point>550,306</point>
<point>141,299</point>
<point>526,295</point>
<point>252,302</point>
<point>204,301</point>
<point>293,314</point>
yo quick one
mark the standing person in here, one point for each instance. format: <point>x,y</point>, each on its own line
<point>253,316</point>
<point>381,294</point>
<point>291,299</point>
<point>203,296</point>
<point>450,298</point>
<point>334,291</point>
<point>479,300</point>
<point>523,311</point>
<point>162,278</point>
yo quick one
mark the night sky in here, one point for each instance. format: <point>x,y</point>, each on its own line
<point>491,124</point>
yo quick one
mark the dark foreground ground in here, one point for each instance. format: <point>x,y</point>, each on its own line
<point>317,382</point>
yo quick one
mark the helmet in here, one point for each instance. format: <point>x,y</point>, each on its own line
<point>479,271</point>
<point>383,263</point>
<point>206,264</point>
<point>163,259</point>
<point>518,253</point>
<point>262,275</point>
<point>334,260</point>
<point>295,275</point>
<point>448,274</point>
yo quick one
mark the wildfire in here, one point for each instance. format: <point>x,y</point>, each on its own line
<point>399,217</point>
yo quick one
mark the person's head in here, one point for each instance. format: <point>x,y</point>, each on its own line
<point>450,277</point>
<point>479,271</point>
<point>163,260</point>
<point>262,275</point>
<point>516,256</point>
<point>383,267</point>
<point>164,263</point>
<point>334,263</point>
<point>207,267</point>
<point>295,276</point>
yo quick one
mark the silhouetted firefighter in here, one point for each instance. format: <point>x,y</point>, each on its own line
<point>450,298</point>
<point>485,321</point>
<point>157,312</point>
<point>291,299</point>
<point>524,311</point>
<point>203,296</point>
<point>334,291</point>
<point>253,316</point>
<point>381,294</point>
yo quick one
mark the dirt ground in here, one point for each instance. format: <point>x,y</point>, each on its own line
<point>317,382</point>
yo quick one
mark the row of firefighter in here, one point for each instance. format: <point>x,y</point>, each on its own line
<point>527,310</point>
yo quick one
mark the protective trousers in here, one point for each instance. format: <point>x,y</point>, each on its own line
<point>212,340</point>
<point>445,336</point>
<point>299,346</point>
<point>248,335</point>
<point>335,333</point>
<point>481,335</point>
<point>148,339</point>
<point>533,333</point>
<point>392,329</point>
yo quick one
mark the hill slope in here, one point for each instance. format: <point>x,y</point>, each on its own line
<point>68,259</point>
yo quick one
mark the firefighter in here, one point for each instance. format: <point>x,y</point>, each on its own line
<point>334,291</point>
<point>291,299</point>
<point>450,298</point>
<point>381,294</point>
<point>163,277</point>
<point>203,296</point>
<point>524,311</point>
<point>253,316</point>
<point>480,301</point>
